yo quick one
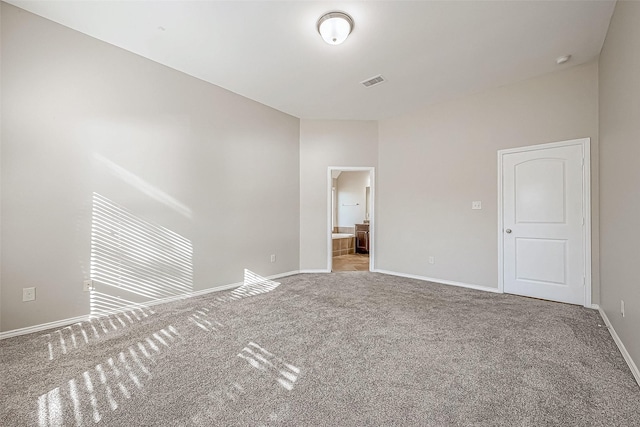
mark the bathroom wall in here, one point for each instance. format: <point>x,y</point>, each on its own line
<point>351,198</point>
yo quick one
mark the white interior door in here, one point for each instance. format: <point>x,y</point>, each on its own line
<point>543,233</point>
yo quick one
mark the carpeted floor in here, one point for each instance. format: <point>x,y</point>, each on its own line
<point>342,349</point>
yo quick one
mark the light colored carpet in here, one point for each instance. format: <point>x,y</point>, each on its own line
<point>342,349</point>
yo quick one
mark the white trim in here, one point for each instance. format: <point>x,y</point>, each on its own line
<point>586,170</point>
<point>500,227</point>
<point>372,234</point>
<point>188,295</point>
<point>78,319</point>
<point>43,326</point>
<point>627,357</point>
<point>441,281</point>
<point>280,275</point>
<point>585,143</point>
<point>312,271</point>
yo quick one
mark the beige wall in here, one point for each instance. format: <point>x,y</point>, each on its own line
<point>81,116</point>
<point>434,162</point>
<point>620,174</point>
<point>325,143</point>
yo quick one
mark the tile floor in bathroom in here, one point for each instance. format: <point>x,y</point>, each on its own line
<point>351,262</point>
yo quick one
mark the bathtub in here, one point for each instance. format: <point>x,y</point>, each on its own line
<point>341,235</point>
<point>343,243</point>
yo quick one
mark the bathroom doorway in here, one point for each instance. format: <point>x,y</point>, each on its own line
<point>350,218</point>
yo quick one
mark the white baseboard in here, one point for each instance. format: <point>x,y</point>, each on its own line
<point>440,281</point>
<point>621,347</point>
<point>43,327</point>
<point>215,289</point>
<point>288,273</point>
<point>314,271</point>
<point>73,320</point>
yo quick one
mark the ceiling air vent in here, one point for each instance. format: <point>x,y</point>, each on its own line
<point>376,80</point>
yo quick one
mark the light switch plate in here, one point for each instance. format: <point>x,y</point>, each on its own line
<point>476,204</point>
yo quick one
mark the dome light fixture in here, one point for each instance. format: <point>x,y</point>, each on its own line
<point>335,27</point>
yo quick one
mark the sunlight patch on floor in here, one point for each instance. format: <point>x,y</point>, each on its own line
<point>102,389</point>
<point>253,284</point>
<point>284,373</point>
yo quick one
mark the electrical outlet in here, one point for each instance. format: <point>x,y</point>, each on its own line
<point>476,204</point>
<point>28,294</point>
<point>432,260</point>
<point>273,257</point>
<point>87,285</point>
<point>622,307</point>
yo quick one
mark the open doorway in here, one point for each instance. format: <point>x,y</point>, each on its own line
<point>350,231</point>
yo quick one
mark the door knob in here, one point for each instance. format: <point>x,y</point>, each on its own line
<point>508,230</point>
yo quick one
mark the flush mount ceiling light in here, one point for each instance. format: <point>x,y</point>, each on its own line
<point>335,27</point>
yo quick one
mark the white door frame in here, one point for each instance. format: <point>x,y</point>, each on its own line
<point>585,143</point>
<point>372,234</point>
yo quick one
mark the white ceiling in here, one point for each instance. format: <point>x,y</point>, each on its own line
<point>270,51</point>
